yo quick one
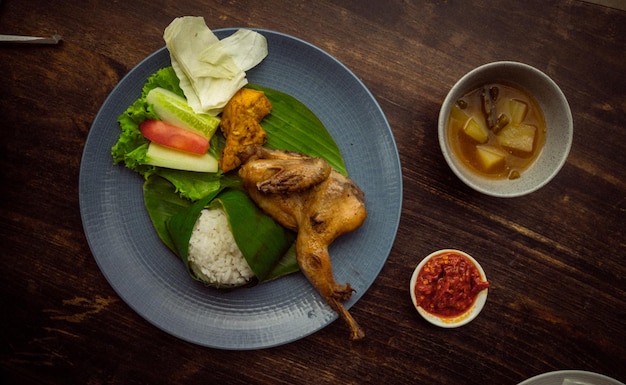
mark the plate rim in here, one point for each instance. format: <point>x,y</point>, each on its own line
<point>560,375</point>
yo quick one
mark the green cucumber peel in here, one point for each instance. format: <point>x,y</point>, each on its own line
<point>165,157</point>
<point>173,109</point>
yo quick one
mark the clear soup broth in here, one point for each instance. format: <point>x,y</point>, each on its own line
<point>497,130</point>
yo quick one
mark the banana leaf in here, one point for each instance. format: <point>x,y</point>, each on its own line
<point>162,203</point>
<point>262,241</point>
<point>293,126</point>
<point>286,265</point>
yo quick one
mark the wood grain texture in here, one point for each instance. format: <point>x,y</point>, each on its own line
<point>555,258</point>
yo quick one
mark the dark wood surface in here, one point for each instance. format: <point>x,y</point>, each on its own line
<point>555,258</point>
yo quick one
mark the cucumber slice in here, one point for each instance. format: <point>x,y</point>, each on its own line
<point>174,109</point>
<point>162,156</point>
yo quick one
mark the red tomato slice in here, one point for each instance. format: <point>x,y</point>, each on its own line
<point>175,137</point>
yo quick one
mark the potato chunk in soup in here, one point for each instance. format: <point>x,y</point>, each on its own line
<point>498,130</point>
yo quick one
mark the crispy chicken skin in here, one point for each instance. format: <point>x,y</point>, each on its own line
<point>306,195</point>
<point>240,125</point>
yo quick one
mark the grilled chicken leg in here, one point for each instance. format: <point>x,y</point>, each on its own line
<point>306,195</point>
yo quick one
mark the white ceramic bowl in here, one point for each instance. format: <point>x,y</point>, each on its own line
<point>559,127</point>
<point>450,322</point>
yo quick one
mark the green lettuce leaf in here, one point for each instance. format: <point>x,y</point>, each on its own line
<point>189,184</point>
<point>132,146</point>
<point>163,78</point>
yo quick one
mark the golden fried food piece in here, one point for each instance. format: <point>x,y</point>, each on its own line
<point>240,125</point>
<point>305,195</point>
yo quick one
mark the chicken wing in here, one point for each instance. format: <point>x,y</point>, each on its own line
<point>306,195</point>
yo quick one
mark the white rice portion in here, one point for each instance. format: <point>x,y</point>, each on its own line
<point>213,253</point>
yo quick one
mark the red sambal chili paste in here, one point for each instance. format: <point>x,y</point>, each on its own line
<point>447,285</point>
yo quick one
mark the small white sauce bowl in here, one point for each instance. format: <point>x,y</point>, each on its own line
<point>559,128</point>
<point>450,322</point>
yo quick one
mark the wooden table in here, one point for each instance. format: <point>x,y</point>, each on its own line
<point>555,258</point>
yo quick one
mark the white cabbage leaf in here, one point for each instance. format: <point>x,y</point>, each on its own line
<point>210,70</point>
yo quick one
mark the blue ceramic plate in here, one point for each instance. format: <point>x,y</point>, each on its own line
<point>154,282</point>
